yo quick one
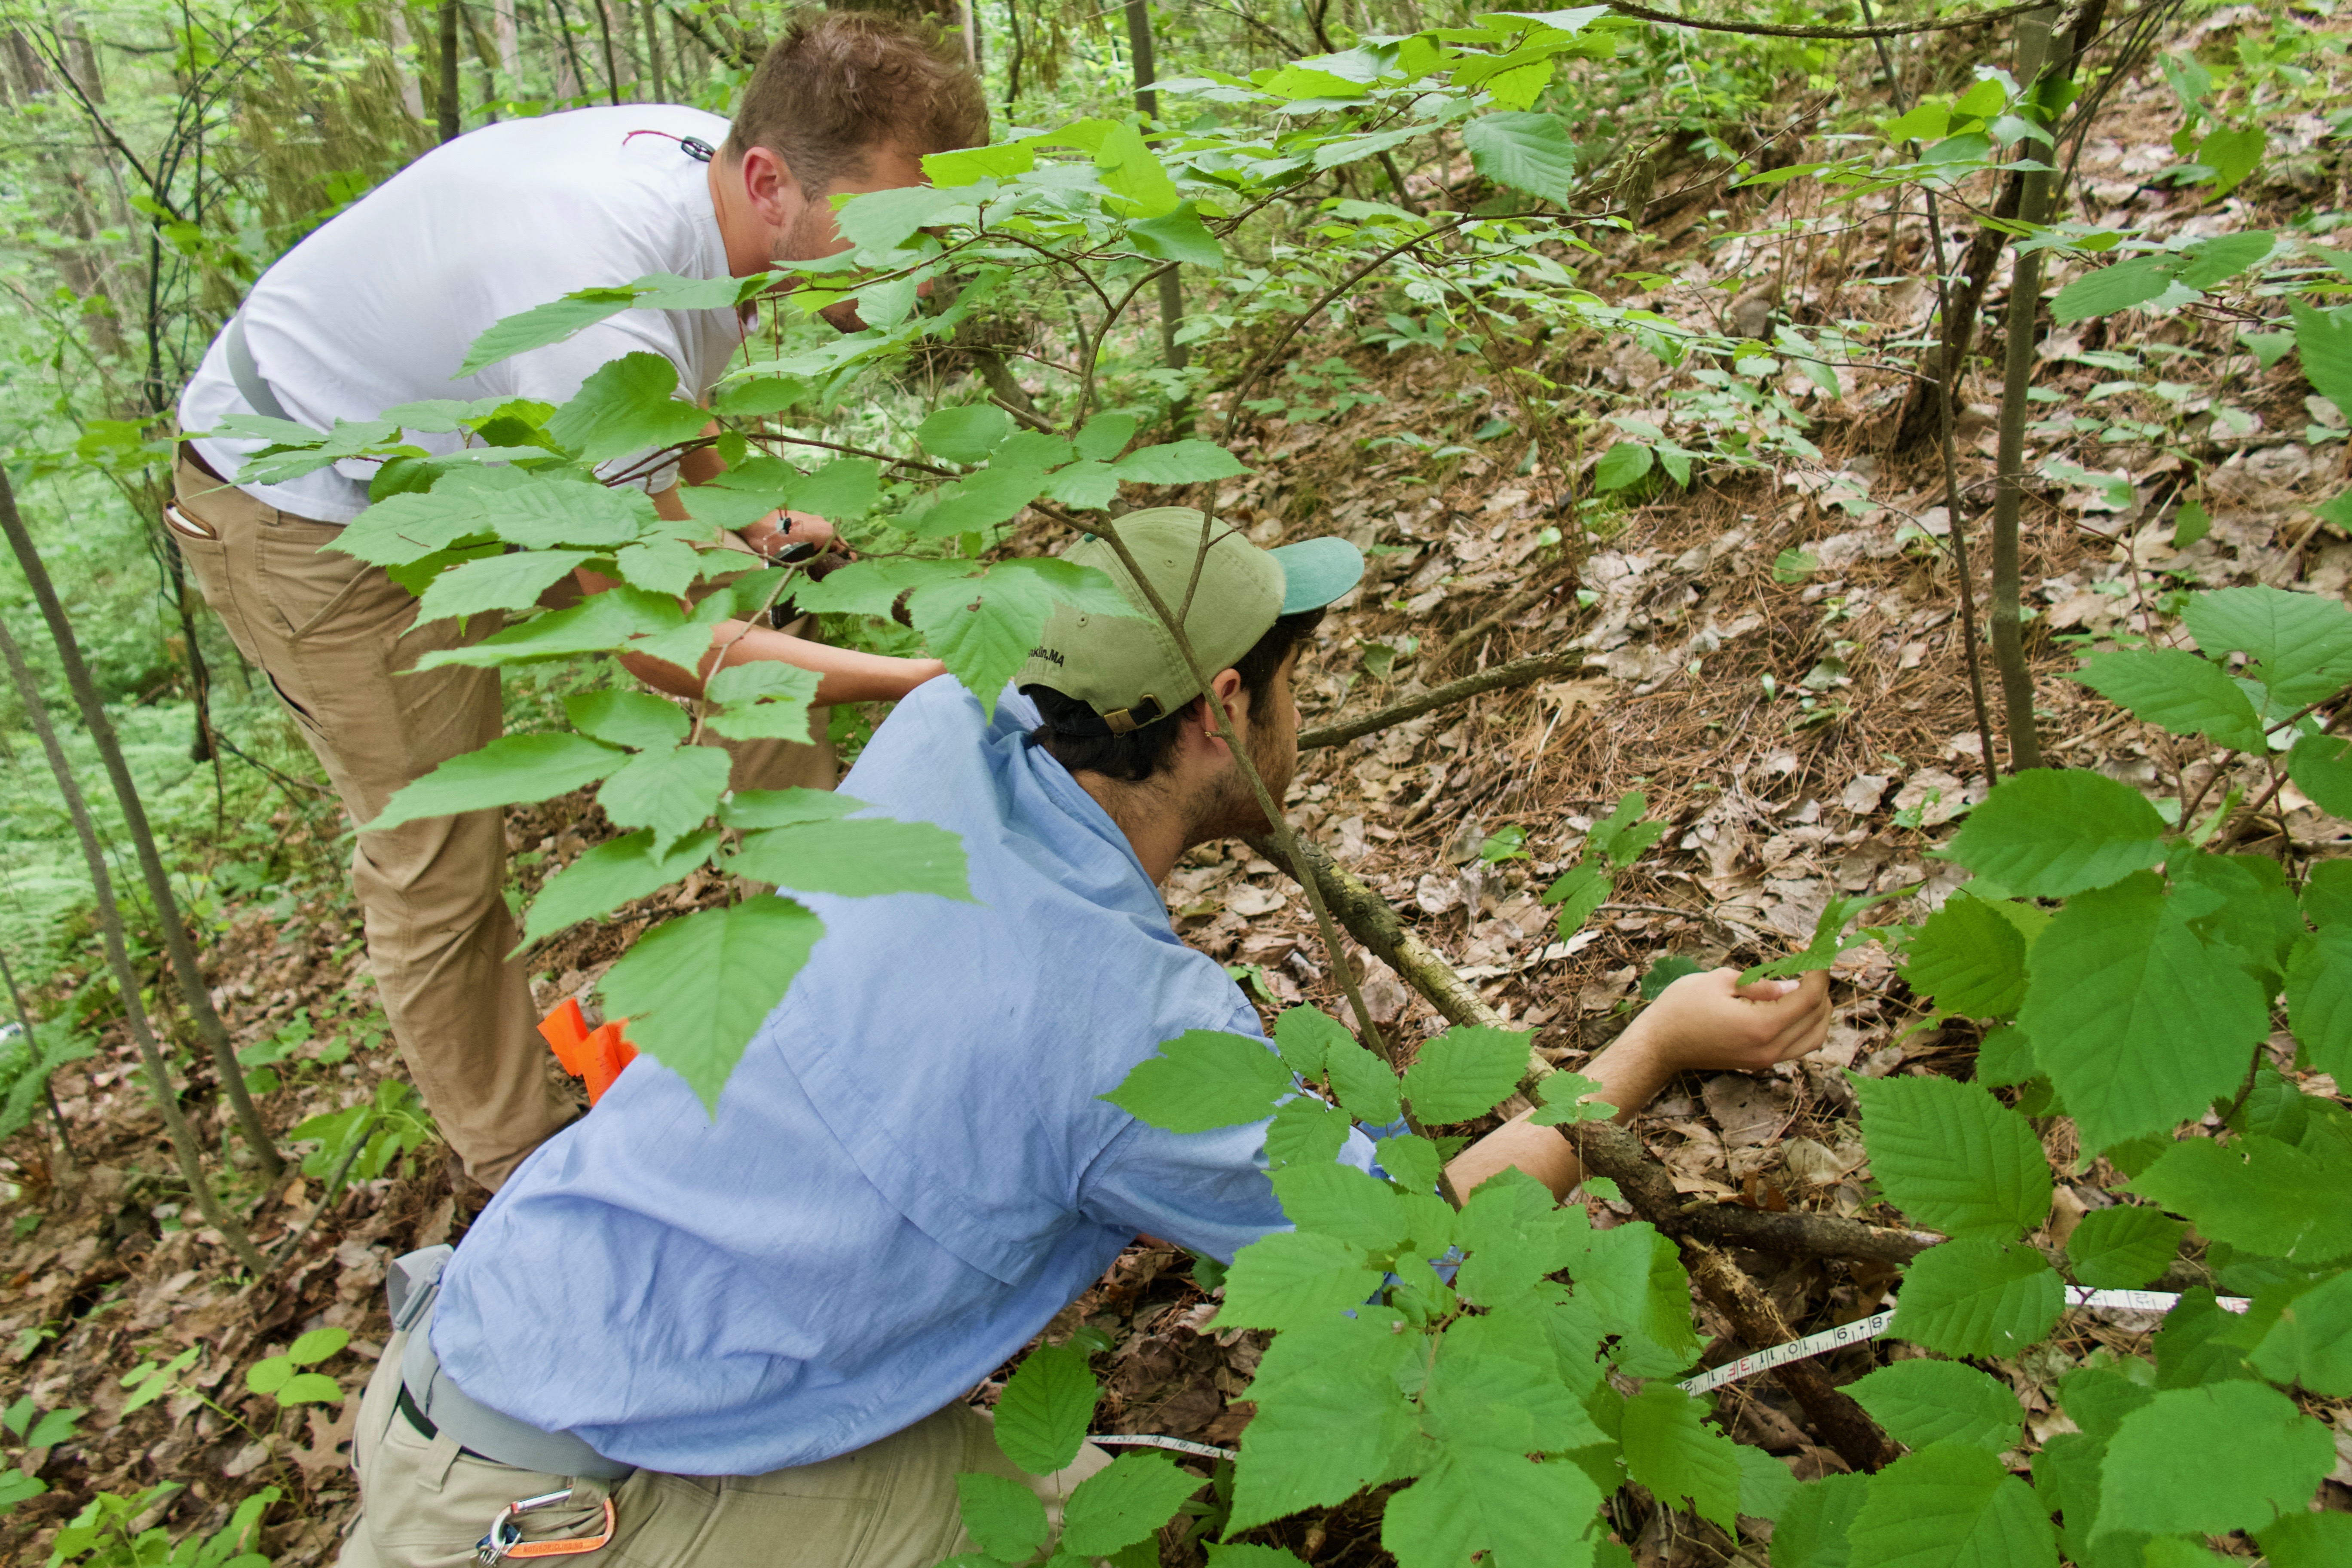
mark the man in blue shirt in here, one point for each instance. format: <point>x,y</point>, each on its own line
<point>747,1338</point>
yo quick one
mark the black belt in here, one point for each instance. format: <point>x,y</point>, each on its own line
<point>426,1428</point>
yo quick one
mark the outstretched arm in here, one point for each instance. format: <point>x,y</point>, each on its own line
<point>1701,1022</point>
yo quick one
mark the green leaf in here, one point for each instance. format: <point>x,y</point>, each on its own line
<point>2300,644</point>
<point>1633,1280</point>
<point>1125,1502</point>
<point>1203,1078</point>
<point>2321,766</point>
<point>696,990</point>
<point>1950,1506</point>
<point>510,771</point>
<point>1304,1037</point>
<point>626,405</point>
<point>761,700</point>
<point>860,859</point>
<point>310,1388</point>
<point>2327,896</point>
<point>1294,1278</point>
<point>1411,1161</point>
<point>16,1487</point>
<point>1669,1449</point>
<point>2124,1247</point>
<point>1330,1413</point>
<point>1530,152</point>
<point>2228,1456</point>
<point>2136,1019</point>
<point>559,318</point>
<point>1137,181</point>
<point>749,808</point>
<point>2049,833</point>
<point>2324,339</point>
<point>2310,1344</point>
<point>673,791</point>
<point>1766,1487</point>
<point>1953,1157</point>
<point>1179,236</point>
<point>1924,1402</point>
<point>54,1427</point>
<point>976,503</point>
<point>1332,1199</point>
<point>1003,1517</point>
<point>1625,463</point>
<point>1178,463</point>
<point>1464,1072</point>
<point>1811,1530</point>
<point>1970,958</point>
<point>2231,155</point>
<point>1244,1554</point>
<point>1578,891</point>
<point>267,1375</point>
<point>611,875</point>
<point>317,1345</point>
<point>660,565</point>
<point>2308,1541</point>
<point>2111,288</point>
<point>1515,1509</point>
<point>513,581</point>
<point>633,719</point>
<point>2319,999</point>
<point>966,434</point>
<point>1976,1298</point>
<point>842,490</point>
<point>2255,1193</point>
<point>1047,1405</point>
<point>982,628</point>
<point>2176,688</point>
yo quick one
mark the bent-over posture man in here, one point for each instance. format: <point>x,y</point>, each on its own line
<point>751,1334</point>
<point>377,308</point>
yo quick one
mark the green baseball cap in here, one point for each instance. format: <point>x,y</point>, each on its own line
<point>1128,668</point>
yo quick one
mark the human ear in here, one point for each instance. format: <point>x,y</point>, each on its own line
<point>769,184</point>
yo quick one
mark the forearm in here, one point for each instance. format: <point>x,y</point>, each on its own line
<point>1631,1071</point>
<point>845,674</point>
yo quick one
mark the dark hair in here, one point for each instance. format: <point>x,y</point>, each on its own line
<point>1140,752</point>
<point>840,83</point>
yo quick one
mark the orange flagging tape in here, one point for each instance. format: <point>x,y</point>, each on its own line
<point>594,1055</point>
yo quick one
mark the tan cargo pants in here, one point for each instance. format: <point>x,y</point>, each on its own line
<point>338,640</point>
<point>892,1504</point>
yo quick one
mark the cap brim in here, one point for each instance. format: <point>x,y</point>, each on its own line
<point>1315,571</point>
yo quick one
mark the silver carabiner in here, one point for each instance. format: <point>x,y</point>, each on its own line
<point>504,1533</point>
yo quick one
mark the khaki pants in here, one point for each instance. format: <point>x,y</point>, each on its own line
<point>891,1504</point>
<point>339,642</point>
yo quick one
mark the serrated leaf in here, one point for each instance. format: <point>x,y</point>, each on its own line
<point>1201,1080</point>
<point>2321,766</point>
<point>1048,1403</point>
<point>861,859</point>
<point>1329,1415</point>
<point>612,619</point>
<point>1365,1084</point>
<point>1178,463</point>
<point>627,404</point>
<point>609,875</point>
<point>1976,1298</point>
<point>1530,152</point>
<point>696,990</point>
<point>1766,1487</point>
<point>1952,1506</point>
<point>2229,1456</point>
<point>1244,1554</point>
<point>559,318</point>
<point>2308,1541</point>
<point>2310,1343</point>
<point>1305,1132</point>
<point>1464,1072</point>
<point>1003,1517</point>
<point>1970,958</point>
<point>2324,340</point>
<point>1515,1509</point>
<point>2255,1193</point>
<point>672,792</point>
<point>966,434</point>
<point>1411,1161</point>
<point>2300,644</point>
<point>1179,236</point>
<point>888,219</point>
<point>750,808</point>
<point>1084,487</point>
<point>1625,463</point>
<point>761,700</point>
<point>1294,1278</point>
<point>1633,1280</point>
<point>1105,436</point>
<point>1124,1501</point>
<point>1669,1449</point>
<point>984,628</point>
<point>2179,690</point>
<point>2319,999</point>
<point>513,581</point>
<point>1304,1037</point>
<point>2136,1019</point>
<point>510,771</point>
<point>2111,288</point>
<point>2124,1247</point>
<point>633,719</point>
<point>1332,1199</point>
<point>1953,1157</point>
<point>1922,1402</point>
<point>1811,1531</point>
<point>2049,833</point>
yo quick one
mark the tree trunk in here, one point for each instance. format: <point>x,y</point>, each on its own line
<point>142,839</point>
<point>510,40</point>
<point>118,954</point>
<point>654,52</point>
<point>25,1020</point>
<point>605,31</point>
<point>447,105</point>
<point>1172,353</point>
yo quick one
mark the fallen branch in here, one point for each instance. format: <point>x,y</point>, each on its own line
<point>1518,672</point>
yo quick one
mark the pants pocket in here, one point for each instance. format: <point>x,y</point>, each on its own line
<point>308,586</point>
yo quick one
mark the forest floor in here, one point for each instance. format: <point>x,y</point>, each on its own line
<point>1804,725</point>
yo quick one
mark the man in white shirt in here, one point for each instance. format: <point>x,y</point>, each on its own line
<point>378,308</point>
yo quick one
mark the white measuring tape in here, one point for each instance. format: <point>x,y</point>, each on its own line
<point>1811,1345</point>
<point>1877,1323</point>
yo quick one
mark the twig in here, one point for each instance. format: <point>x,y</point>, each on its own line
<point>1774,30</point>
<point>1502,677</point>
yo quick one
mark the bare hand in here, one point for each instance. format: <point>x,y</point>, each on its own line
<point>782,530</point>
<point>1710,1023</point>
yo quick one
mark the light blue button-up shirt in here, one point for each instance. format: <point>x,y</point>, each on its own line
<point>909,1173</point>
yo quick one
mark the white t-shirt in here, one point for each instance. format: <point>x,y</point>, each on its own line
<point>379,307</point>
